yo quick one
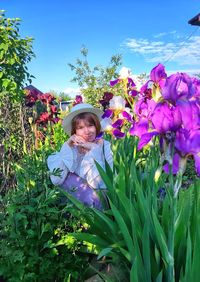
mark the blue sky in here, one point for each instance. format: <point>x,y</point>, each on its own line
<point>145,33</point>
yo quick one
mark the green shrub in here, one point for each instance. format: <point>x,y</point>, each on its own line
<point>34,223</point>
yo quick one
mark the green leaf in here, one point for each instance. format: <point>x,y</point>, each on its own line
<point>104,252</point>
<point>159,277</point>
<point>124,229</point>
<point>104,176</point>
<point>108,225</point>
<point>146,250</point>
<point>134,272</point>
<point>90,238</point>
<point>161,240</point>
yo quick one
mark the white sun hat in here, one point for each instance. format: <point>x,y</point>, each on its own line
<point>76,110</point>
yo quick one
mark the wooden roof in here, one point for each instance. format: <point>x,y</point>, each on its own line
<point>195,20</point>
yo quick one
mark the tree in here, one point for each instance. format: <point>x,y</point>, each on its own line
<point>94,81</point>
<point>15,53</point>
<point>60,95</point>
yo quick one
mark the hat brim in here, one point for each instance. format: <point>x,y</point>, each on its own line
<point>67,121</point>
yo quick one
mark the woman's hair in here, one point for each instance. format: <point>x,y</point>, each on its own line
<point>90,118</point>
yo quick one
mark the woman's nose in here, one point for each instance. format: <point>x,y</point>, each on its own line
<point>86,130</point>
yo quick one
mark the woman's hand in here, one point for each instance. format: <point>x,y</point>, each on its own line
<point>75,140</point>
<point>87,146</point>
<point>82,145</point>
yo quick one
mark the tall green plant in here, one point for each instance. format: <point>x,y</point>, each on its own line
<point>147,231</point>
<point>15,54</point>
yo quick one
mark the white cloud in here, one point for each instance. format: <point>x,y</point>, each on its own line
<point>172,34</point>
<point>181,52</point>
<point>72,91</point>
<point>160,34</point>
<point>191,72</point>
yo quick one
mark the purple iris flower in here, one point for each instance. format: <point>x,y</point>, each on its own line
<point>145,139</point>
<point>131,83</point>
<point>139,128</point>
<point>190,113</point>
<point>118,123</point>
<point>196,84</point>
<point>175,165</point>
<point>178,86</point>
<point>197,163</point>
<point>114,82</point>
<point>166,119</point>
<point>144,107</point>
<point>107,114</point>
<point>127,116</point>
<point>145,91</point>
<point>157,77</point>
<point>188,143</point>
<point>99,136</point>
<point>133,93</point>
<point>145,87</point>
<point>118,134</point>
<point>158,74</point>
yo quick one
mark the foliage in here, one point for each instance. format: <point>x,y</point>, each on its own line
<point>147,232</point>
<point>60,96</point>
<point>94,81</point>
<point>15,53</point>
<point>34,222</point>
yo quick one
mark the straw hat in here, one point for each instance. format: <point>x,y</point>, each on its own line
<point>76,110</point>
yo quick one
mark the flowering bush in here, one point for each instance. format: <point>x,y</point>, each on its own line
<point>43,112</point>
<point>167,107</point>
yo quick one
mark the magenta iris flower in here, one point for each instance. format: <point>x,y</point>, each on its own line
<point>178,86</point>
<point>190,113</point>
<point>188,143</point>
<point>196,84</point>
<point>158,73</point>
<point>175,165</point>
<point>144,107</point>
<point>139,128</point>
<point>157,76</point>
<point>145,88</point>
<point>166,118</point>
<point>145,138</point>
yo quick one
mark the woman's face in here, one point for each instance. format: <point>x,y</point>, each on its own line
<point>86,130</point>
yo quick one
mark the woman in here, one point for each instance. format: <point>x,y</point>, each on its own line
<point>76,159</point>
